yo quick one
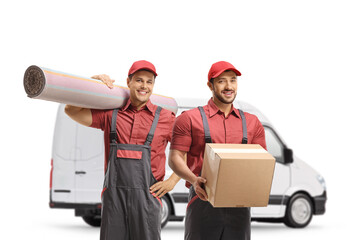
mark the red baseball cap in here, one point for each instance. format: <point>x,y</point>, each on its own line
<point>219,67</point>
<point>142,64</point>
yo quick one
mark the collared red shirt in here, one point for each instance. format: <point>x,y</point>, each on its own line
<point>133,126</point>
<point>188,133</point>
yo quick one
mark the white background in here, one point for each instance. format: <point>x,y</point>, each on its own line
<point>300,64</point>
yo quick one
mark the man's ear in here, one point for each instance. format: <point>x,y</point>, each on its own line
<point>210,85</point>
<point>128,82</point>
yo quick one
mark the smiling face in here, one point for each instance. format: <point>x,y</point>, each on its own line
<point>224,87</point>
<point>141,86</point>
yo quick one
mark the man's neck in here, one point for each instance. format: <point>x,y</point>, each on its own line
<point>224,107</point>
<point>137,105</point>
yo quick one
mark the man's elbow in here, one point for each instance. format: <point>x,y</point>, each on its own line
<point>71,111</point>
<point>171,163</point>
<point>172,159</point>
<point>175,159</point>
<point>68,109</point>
<point>79,114</point>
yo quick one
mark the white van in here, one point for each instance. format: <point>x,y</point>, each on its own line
<point>77,172</point>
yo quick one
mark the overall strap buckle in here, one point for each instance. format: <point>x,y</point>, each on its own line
<point>205,125</point>
<point>113,135</point>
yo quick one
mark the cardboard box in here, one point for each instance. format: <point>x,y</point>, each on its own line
<point>238,175</point>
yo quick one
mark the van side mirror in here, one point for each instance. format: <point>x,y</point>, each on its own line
<point>288,155</point>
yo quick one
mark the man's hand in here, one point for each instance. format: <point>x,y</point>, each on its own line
<point>105,79</point>
<point>159,189</point>
<point>198,187</point>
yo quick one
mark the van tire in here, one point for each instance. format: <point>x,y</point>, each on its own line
<point>167,207</point>
<point>299,211</point>
<point>93,220</point>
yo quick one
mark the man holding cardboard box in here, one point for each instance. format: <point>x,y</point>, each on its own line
<point>217,122</point>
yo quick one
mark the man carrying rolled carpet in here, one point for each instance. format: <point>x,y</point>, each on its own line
<point>135,138</point>
<point>217,122</point>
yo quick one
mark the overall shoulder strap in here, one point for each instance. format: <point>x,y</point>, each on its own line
<point>113,135</point>
<point>243,120</point>
<point>206,125</point>
<point>150,135</point>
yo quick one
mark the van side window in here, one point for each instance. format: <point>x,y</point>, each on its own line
<point>274,145</point>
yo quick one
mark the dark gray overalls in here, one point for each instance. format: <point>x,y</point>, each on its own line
<point>203,221</point>
<point>129,211</point>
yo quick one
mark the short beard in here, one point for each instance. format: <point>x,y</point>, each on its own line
<point>221,99</point>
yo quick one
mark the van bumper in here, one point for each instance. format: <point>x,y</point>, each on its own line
<point>81,209</point>
<point>319,204</point>
<point>74,205</point>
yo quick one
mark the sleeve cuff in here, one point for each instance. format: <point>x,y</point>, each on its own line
<point>179,147</point>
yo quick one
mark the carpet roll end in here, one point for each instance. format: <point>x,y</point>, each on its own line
<point>34,81</point>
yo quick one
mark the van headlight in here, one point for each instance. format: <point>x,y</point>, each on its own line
<point>321,181</point>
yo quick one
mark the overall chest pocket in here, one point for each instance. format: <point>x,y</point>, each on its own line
<point>130,169</point>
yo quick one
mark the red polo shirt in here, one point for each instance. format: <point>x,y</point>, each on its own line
<point>133,126</point>
<point>188,133</point>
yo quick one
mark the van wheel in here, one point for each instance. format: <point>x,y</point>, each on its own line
<point>299,211</point>
<point>94,220</point>
<point>165,210</point>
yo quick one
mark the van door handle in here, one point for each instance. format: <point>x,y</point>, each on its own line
<point>80,172</point>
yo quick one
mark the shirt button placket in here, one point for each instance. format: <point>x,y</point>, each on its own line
<point>225,130</point>
<point>135,127</point>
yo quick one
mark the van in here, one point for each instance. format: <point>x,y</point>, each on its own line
<point>77,171</point>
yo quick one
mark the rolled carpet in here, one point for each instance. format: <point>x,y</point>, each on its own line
<point>47,84</point>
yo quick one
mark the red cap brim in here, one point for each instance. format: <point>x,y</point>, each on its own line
<point>232,69</point>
